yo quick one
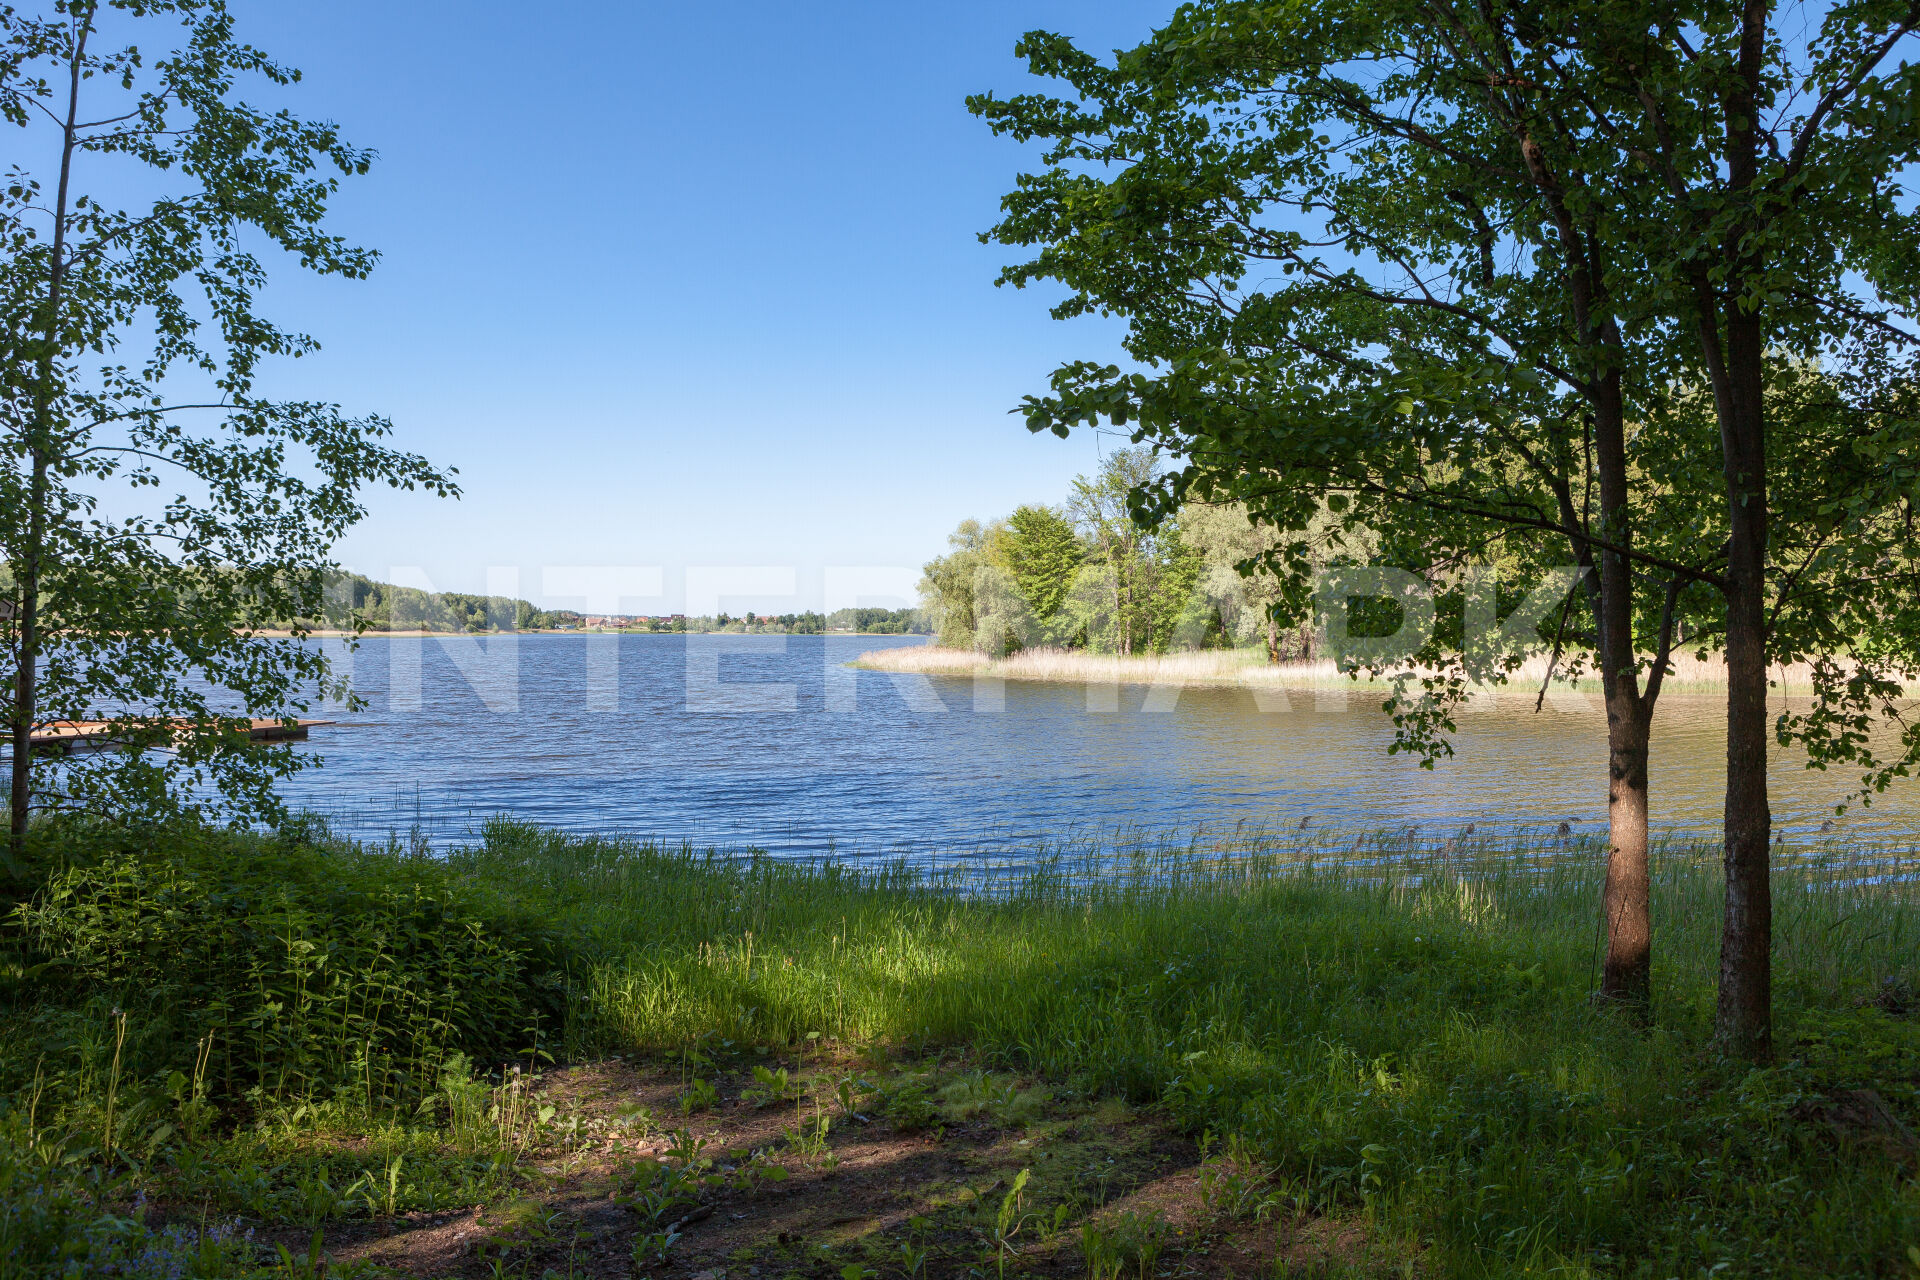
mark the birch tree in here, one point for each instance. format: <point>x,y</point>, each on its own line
<point>157,511</point>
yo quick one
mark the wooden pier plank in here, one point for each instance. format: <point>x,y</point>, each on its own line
<point>67,735</point>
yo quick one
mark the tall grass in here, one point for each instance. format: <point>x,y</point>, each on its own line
<point>1406,1032</point>
<point>1410,1033</point>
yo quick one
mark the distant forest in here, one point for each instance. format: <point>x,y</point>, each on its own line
<point>382,606</point>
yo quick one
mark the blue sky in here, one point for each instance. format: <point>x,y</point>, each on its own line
<point>683,285</point>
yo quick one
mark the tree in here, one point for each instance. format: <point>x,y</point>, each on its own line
<point>1756,163</point>
<point>1035,578</point>
<point>1459,275</point>
<point>128,359</point>
<point>1233,548</point>
<point>947,585</point>
<point>1179,612</point>
<point>1099,505</point>
<point>1039,547</point>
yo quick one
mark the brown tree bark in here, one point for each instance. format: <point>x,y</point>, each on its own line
<point>1733,340</point>
<point>1744,1020</point>
<point>1627,976</point>
<point>26,667</point>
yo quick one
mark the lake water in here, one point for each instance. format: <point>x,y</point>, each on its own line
<point>772,742</point>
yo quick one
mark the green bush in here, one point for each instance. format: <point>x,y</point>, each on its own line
<point>314,974</point>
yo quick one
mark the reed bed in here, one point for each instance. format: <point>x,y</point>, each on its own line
<point>1248,668</point>
<point>1198,666</point>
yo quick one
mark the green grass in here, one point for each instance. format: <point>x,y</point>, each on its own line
<point>1404,1038</point>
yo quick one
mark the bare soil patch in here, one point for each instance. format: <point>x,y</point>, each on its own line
<point>837,1171</point>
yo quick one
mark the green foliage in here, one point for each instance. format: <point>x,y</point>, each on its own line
<point>1484,296</point>
<point>1087,575</point>
<point>356,602</point>
<point>130,345</point>
<point>52,1224</point>
<point>1123,1241</point>
<point>807,1136</point>
<point>1116,609</point>
<point>1598,285</point>
<point>770,1086</point>
<point>1043,552</point>
<point>909,1107</point>
<point>977,1093</point>
<point>305,975</point>
<point>895,622</point>
<point>660,1192</point>
<point>699,1095</point>
<point>1009,1220</point>
<point>1415,1039</point>
<point>1240,588</point>
<point>949,583</point>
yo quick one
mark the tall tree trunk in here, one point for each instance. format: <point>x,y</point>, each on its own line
<point>1628,972</point>
<point>1743,1023</point>
<point>1627,978</point>
<point>31,565</point>
<point>1273,640</point>
<point>27,662</point>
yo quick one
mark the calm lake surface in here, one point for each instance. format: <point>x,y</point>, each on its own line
<point>772,742</point>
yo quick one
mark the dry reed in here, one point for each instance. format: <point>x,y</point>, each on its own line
<point>1247,668</point>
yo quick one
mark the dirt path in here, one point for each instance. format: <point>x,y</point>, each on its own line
<point>831,1171</point>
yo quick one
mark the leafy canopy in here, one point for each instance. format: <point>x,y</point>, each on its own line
<point>1449,271</point>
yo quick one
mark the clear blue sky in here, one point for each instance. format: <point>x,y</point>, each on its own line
<point>683,284</point>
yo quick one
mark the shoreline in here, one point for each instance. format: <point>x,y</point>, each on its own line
<point>1248,669</point>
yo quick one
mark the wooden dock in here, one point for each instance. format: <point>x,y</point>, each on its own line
<point>66,736</point>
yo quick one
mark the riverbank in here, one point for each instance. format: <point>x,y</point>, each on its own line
<point>1249,669</point>
<point>1204,1058</point>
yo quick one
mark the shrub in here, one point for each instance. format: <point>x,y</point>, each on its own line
<point>315,974</point>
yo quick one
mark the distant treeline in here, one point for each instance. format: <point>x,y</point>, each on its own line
<point>808,623</point>
<point>897,622</point>
<point>382,606</point>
